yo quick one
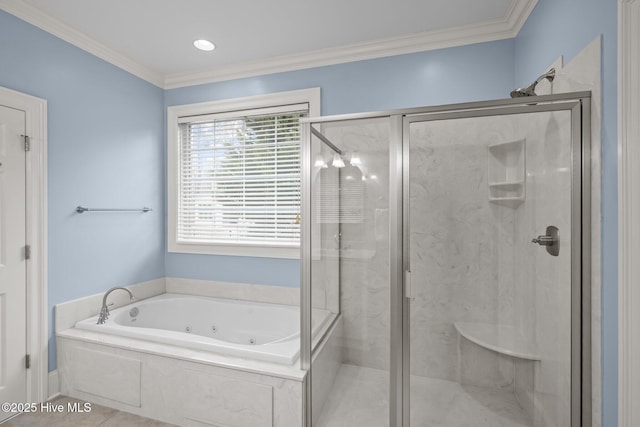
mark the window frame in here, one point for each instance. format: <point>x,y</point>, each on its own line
<point>311,97</point>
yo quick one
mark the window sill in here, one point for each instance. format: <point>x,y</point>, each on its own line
<point>236,250</point>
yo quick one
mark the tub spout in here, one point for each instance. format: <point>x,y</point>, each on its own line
<point>104,311</point>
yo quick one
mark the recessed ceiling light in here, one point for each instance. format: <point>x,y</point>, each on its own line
<point>205,45</point>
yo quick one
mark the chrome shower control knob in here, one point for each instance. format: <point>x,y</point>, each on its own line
<point>551,240</point>
<point>543,240</point>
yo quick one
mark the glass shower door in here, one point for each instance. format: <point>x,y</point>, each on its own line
<point>446,266</point>
<point>488,243</point>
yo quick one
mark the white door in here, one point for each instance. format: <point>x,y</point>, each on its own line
<point>13,372</point>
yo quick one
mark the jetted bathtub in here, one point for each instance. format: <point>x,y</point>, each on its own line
<point>260,331</point>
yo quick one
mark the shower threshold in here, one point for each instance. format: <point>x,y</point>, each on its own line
<point>360,397</point>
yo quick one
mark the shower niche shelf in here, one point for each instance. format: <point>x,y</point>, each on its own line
<point>506,172</point>
<point>499,338</point>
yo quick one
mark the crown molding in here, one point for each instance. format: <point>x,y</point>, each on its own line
<point>36,17</point>
<point>519,13</point>
<point>505,28</point>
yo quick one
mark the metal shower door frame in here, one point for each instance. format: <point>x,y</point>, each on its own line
<point>579,105</point>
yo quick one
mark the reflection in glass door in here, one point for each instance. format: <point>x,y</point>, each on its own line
<point>349,221</point>
<point>489,228</point>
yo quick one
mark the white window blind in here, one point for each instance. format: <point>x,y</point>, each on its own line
<point>340,196</point>
<point>239,178</point>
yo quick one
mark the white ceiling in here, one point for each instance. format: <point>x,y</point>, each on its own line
<point>153,38</point>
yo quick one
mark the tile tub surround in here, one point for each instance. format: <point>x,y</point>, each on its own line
<point>69,313</point>
<point>327,360</point>
<point>182,386</point>
<point>240,291</point>
<point>176,385</point>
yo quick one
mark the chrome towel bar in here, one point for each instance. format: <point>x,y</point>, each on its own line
<point>82,209</point>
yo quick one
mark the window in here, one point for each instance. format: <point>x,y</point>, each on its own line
<point>234,175</point>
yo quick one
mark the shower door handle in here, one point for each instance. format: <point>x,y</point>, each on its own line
<point>407,285</point>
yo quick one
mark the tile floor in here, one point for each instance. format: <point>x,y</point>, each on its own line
<point>99,416</point>
<point>360,398</point>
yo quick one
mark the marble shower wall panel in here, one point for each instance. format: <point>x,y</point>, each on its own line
<point>485,368</point>
<point>523,385</point>
<point>508,260</point>
<point>583,73</point>
<point>462,249</point>
<point>525,271</point>
<point>549,185</point>
<point>364,243</point>
<point>327,361</point>
<point>534,288</point>
<point>543,282</point>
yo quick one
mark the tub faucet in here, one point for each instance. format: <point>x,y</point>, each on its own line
<point>104,311</point>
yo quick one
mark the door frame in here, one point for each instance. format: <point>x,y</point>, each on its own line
<point>36,221</point>
<point>628,208</point>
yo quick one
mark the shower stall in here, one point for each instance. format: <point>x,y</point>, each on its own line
<point>451,246</point>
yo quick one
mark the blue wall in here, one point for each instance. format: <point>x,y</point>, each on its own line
<point>468,73</point>
<point>105,135</point>
<point>565,27</point>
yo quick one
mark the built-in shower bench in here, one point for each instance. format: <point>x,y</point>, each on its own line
<point>503,339</point>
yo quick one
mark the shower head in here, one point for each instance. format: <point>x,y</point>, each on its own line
<point>530,90</point>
